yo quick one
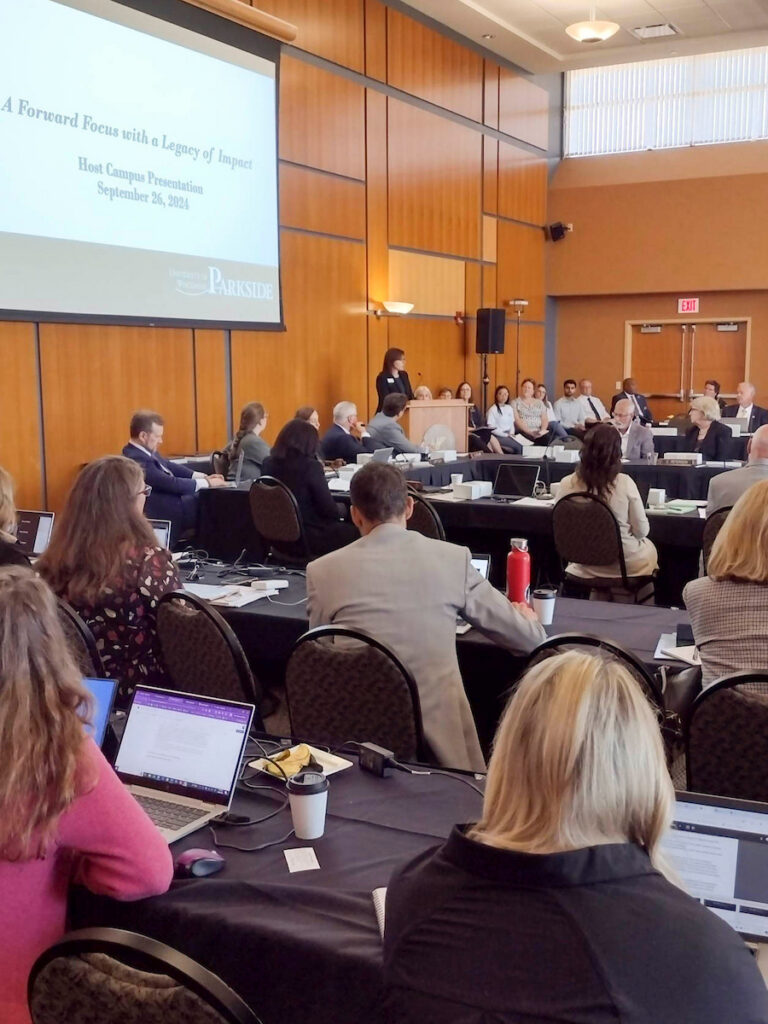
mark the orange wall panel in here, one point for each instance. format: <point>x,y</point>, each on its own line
<point>435,183</point>
<point>523,109</point>
<point>321,202</point>
<point>330,28</point>
<point>19,413</point>
<point>211,390</point>
<point>376,40</point>
<point>434,350</point>
<point>425,63</point>
<point>520,267</point>
<point>522,185</point>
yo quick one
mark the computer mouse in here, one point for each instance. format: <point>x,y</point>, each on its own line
<point>198,864</point>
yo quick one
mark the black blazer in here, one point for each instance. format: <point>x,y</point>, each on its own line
<point>338,444</point>
<point>306,478</point>
<point>11,554</point>
<point>758,418</point>
<point>386,384</point>
<point>716,445</point>
<point>646,415</point>
<point>174,492</point>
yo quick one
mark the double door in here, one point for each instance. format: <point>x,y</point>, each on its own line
<point>670,360</point>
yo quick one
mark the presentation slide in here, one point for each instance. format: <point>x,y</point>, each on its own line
<point>139,170</point>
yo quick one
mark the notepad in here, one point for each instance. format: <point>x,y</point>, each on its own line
<point>379,897</point>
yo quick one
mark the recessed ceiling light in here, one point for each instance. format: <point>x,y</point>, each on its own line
<point>488,35</point>
<point>592,31</point>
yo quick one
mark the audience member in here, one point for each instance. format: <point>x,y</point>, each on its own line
<point>347,437</point>
<point>406,590</point>
<point>639,402</point>
<point>480,437</point>
<point>706,435</point>
<point>422,393</point>
<point>308,413</point>
<point>746,409</point>
<point>599,473</point>
<point>594,410</point>
<point>248,443</point>
<point>294,461</point>
<point>65,818</point>
<point>173,485</point>
<point>104,560</point>
<point>636,440</point>
<point>9,551</point>
<point>558,905</point>
<point>712,390</point>
<point>393,379</point>
<point>569,410</point>
<point>445,393</point>
<point>385,427</point>
<point>531,415</point>
<point>725,489</point>
<point>557,430</point>
<point>501,420</point>
<point>729,606</point>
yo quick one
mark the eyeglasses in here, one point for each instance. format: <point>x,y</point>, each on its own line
<point>146,491</point>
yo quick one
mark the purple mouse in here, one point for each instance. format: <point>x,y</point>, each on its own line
<point>198,864</point>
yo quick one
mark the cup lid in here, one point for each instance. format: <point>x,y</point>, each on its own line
<point>307,783</point>
<point>545,593</point>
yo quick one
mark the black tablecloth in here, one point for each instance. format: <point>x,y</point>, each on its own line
<point>300,947</point>
<point>737,446</point>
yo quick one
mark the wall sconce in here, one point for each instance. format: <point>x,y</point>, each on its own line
<point>458,317</point>
<point>392,308</point>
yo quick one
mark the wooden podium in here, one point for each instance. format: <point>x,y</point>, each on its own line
<point>448,412</point>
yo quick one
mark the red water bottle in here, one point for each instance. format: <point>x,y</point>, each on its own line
<point>518,571</point>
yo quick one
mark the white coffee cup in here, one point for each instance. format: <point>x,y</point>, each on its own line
<point>656,496</point>
<point>544,604</point>
<point>456,478</point>
<point>308,797</point>
<point>553,489</point>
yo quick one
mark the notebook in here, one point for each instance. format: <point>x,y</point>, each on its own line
<point>483,565</point>
<point>719,848</point>
<point>515,481</point>
<point>180,756</point>
<point>33,531</point>
<point>162,528</point>
<point>103,692</point>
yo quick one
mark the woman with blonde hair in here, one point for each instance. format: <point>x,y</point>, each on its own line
<point>707,435</point>
<point>729,606</point>
<point>65,818</point>
<point>104,560</point>
<point>9,552</point>
<point>555,906</point>
<point>248,443</point>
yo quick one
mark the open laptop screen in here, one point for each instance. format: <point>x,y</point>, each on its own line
<point>483,564</point>
<point>183,743</point>
<point>33,531</point>
<point>103,693</point>
<point>719,848</point>
<point>162,528</point>
<point>515,481</point>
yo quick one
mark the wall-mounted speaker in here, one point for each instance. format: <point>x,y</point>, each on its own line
<point>490,331</point>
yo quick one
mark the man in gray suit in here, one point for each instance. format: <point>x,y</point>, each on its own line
<point>725,489</point>
<point>384,426</point>
<point>407,591</point>
<point>636,439</point>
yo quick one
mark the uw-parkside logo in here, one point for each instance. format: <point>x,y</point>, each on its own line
<point>195,283</point>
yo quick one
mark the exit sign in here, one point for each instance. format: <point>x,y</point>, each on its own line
<point>687,305</point>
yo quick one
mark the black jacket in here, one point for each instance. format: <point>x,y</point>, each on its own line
<point>476,934</point>
<point>338,444</point>
<point>646,416</point>
<point>11,554</point>
<point>306,478</point>
<point>386,384</point>
<point>758,418</point>
<point>716,445</point>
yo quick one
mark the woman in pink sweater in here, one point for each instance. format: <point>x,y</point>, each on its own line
<point>65,818</point>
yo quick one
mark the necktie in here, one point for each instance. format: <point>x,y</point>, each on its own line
<point>592,407</point>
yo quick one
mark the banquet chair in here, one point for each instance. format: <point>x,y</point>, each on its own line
<point>110,976</point>
<point>202,653</point>
<point>357,690</point>
<point>586,532</point>
<point>80,640</point>
<point>424,519</point>
<point>712,526</point>
<point>276,516</point>
<point>726,738</point>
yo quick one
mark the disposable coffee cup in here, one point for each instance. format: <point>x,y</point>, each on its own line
<point>656,496</point>
<point>553,489</point>
<point>544,605</point>
<point>308,796</point>
<point>456,478</point>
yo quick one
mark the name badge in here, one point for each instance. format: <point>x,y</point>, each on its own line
<point>390,380</point>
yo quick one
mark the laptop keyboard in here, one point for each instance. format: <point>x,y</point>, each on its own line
<point>169,815</point>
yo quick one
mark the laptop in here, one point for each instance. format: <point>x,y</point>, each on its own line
<point>733,422</point>
<point>180,756</point>
<point>33,531</point>
<point>103,692</point>
<point>515,481</point>
<point>382,454</point>
<point>719,848</point>
<point>483,565</point>
<point>162,528</point>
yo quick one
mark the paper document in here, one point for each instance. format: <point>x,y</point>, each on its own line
<point>690,655</point>
<point>379,900</point>
<point>207,591</point>
<point>337,483</point>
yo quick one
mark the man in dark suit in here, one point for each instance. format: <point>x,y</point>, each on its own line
<point>347,438</point>
<point>174,487</point>
<point>746,408</point>
<point>639,402</point>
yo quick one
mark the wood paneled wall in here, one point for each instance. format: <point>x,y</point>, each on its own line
<point>376,191</point>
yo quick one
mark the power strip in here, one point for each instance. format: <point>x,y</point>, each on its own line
<point>269,584</point>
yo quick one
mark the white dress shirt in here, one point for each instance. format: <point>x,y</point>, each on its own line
<point>589,413</point>
<point>501,420</point>
<point>570,411</point>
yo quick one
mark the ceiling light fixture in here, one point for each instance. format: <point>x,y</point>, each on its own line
<point>592,31</point>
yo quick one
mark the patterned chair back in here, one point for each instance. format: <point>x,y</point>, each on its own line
<point>355,689</point>
<point>586,531</point>
<point>220,462</point>
<point>277,518</point>
<point>202,653</point>
<point>425,519</point>
<point>80,641</point>
<point>712,527</point>
<point>108,976</point>
<point>726,738</point>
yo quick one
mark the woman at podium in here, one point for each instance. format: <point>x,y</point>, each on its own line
<point>393,379</point>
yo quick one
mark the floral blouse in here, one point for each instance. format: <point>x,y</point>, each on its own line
<point>123,622</point>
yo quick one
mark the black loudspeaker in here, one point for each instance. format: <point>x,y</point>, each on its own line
<point>490,331</point>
